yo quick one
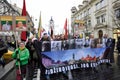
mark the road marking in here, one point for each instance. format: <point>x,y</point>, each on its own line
<point>38,74</point>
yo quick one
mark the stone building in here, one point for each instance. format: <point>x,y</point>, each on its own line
<point>98,17</point>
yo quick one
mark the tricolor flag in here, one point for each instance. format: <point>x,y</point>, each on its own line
<point>65,30</point>
<point>24,13</point>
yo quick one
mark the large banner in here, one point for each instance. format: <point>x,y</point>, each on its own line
<point>58,58</point>
<point>63,45</point>
<point>6,23</point>
<point>20,23</point>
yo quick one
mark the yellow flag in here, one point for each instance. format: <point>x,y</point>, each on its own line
<point>39,27</point>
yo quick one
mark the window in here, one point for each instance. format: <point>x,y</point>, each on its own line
<point>103,18</point>
<point>82,15</point>
<point>89,11</point>
<point>117,13</point>
<point>97,6</point>
<point>89,22</point>
<point>102,3</point>
<point>85,13</point>
<point>98,20</point>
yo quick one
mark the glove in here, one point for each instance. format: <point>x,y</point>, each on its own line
<point>18,59</point>
<point>17,52</point>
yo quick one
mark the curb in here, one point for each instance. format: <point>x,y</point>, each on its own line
<point>4,71</point>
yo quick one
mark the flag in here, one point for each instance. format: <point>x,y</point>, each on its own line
<point>24,13</point>
<point>40,27</point>
<point>65,29</point>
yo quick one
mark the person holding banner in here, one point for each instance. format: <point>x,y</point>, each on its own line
<point>21,55</point>
<point>6,26</point>
<point>91,41</point>
<point>46,45</point>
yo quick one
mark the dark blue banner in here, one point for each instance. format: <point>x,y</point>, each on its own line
<point>59,58</point>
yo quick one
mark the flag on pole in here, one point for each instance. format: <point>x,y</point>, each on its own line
<point>65,29</point>
<point>39,27</point>
<point>24,13</point>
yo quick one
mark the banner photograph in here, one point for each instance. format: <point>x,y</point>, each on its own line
<point>6,23</point>
<point>21,23</point>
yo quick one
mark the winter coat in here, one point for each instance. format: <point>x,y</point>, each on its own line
<point>22,55</point>
<point>3,48</point>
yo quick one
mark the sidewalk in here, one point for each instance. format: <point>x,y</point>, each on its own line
<point>8,67</point>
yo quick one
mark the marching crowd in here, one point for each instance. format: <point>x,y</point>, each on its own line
<point>29,52</point>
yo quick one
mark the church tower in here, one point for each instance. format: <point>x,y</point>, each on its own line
<point>51,27</point>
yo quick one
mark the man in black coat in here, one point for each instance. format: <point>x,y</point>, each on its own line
<point>38,47</point>
<point>3,49</point>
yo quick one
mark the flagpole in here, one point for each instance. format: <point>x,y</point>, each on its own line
<point>68,30</point>
<point>39,26</point>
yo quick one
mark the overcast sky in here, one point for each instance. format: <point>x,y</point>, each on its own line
<point>58,9</point>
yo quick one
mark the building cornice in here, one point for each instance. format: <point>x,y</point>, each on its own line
<point>87,5</point>
<point>100,11</point>
<point>83,7</point>
<point>99,26</point>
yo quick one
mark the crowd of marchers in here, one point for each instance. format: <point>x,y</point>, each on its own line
<point>29,52</point>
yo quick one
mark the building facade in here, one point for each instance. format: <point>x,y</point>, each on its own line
<point>99,16</point>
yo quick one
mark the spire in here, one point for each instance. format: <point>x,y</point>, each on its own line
<point>51,19</point>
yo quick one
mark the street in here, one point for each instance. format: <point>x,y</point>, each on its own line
<point>102,72</point>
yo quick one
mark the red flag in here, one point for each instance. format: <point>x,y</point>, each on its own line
<point>66,31</point>
<point>24,13</point>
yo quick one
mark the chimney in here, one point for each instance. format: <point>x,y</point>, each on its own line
<point>15,5</point>
<point>80,6</point>
<point>85,2</point>
<point>74,9</point>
